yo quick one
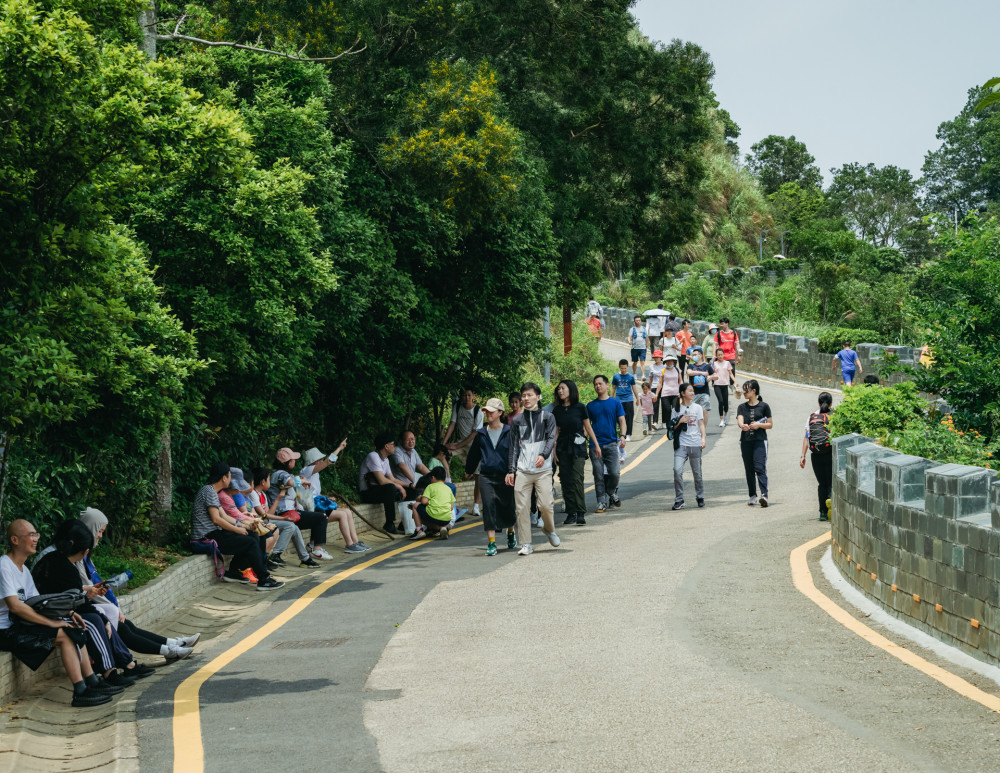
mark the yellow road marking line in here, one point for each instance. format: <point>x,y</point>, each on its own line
<point>802,578</point>
<point>189,753</point>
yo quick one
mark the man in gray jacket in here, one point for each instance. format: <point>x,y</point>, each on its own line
<point>529,466</point>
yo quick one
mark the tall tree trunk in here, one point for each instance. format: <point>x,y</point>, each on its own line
<point>567,329</point>
<point>147,17</point>
<point>163,501</point>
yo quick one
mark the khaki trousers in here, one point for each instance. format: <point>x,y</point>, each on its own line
<point>541,484</point>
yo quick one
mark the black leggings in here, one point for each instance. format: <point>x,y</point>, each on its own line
<point>823,469</point>
<point>722,395</point>
<point>138,640</point>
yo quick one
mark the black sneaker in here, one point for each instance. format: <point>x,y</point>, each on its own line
<point>275,558</point>
<point>762,500</point>
<point>580,520</point>
<point>701,503</point>
<point>678,505</point>
<point>231,575</point>
<point>390,528</point>
<point>103,686</point>
<point>307,562</point>
<point>271,565</point>
<point>616,501</point>
<point>139,671</point>
<point>90,697</point>
<point>270,584</point>
<point>571,518</point>
<point>119,679</point>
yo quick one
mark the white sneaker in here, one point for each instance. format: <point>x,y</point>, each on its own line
<point>534,518</point>
<point>177,653</point>
<point>526,549</point>
<point>554,540</point>
<point>320,552</point>
<point>189,641</point>
<point>752,501</point>
<point>722,423</point>
<point>475,510</point>
<point>654,426</point>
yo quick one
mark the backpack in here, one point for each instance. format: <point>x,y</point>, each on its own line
<point>819,433</point>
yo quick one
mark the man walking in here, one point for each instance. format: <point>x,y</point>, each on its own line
<point>607,418</point>
<point>529,466</point>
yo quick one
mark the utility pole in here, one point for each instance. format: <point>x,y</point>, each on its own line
<point>548,339</point>
<point>760,241</point>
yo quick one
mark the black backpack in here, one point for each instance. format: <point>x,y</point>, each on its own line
<point>819,433</point>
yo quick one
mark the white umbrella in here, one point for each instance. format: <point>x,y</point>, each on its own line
<point>656,313</point>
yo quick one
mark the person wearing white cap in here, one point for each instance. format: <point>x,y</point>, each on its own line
<point>669,389</point>
<point>315,462</point>
<point>488,454</point>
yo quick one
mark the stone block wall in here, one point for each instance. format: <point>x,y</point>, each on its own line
<point>922,539</point>
<point>777,355</point>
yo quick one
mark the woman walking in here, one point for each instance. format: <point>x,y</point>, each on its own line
<point>817,440</point>
<point>572,430</point>
<point>688,421</point>
<point>722,376</point>
<point>754,420</point>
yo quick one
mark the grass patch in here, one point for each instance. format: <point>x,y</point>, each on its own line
<point>144,561</point>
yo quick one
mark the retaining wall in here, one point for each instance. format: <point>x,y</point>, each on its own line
<point>922,539</point>
<point>780,356</point>
<point>160,597</point>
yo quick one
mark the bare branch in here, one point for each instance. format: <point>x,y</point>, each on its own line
<point>575,135</point>
<point>176,35</point>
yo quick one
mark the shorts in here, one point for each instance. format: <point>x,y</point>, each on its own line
<point>848,376</point>
<point>704,400</point>
<point>427,520</point>
<point>31,643</point>
<point>639,354</point>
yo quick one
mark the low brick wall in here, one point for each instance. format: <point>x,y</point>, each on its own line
<point>160,597</point>
<point>922,539</point>
<point>785,357</point>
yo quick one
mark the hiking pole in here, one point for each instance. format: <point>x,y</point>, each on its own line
<point>340,498</point>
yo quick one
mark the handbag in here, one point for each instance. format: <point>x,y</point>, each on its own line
<point>56,606</point>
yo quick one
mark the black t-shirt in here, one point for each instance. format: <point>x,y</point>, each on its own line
<point>750,413</point>
<point>569,421</point>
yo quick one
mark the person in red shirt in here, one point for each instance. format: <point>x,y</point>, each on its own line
<point>728,342</point>
<point>687,341</point>
<point>594,324</point>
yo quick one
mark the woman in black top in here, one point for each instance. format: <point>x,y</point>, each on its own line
<point>817,439</point>
<point>572,430</point>
<point>56,572</point>
<point>754,420</point>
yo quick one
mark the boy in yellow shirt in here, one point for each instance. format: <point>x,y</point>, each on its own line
<point>433,513</point>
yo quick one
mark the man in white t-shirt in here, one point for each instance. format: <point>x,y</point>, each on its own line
<point>688,421</point>
<point>466,420</point>
<point>594,308</point>
<point>31,636</point>
<point>654,329</point>
<point>375,481</point>
<point>406,462</point>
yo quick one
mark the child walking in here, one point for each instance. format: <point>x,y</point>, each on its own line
<point>646,401</point>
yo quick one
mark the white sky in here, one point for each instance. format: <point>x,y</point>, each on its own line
<point>855,81</point>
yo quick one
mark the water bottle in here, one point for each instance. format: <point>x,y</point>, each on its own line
<point>118,581</point>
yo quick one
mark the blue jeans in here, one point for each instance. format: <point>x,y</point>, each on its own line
<point>606,473</point>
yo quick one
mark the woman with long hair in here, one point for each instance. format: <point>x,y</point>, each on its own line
<point>572,430</point>
<point>754,419</point>
<point>817,440</point>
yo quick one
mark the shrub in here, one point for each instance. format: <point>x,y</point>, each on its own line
<point>701,267</point>
<point>878,412</point>
<point>694,299</point>
<point>936,437</point>
<point>682,268</point>
<point>832,340</point>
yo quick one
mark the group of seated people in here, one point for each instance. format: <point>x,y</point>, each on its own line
<point>95,640</point>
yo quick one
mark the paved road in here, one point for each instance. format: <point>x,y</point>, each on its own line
<point>650,640</point>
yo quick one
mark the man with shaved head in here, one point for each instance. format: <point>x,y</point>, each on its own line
<point>31,636</point>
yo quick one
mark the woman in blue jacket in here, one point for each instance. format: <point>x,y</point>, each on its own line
<point>488,453</point>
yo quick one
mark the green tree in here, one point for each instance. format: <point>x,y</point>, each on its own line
<point>880,204</point>
<point>777,160</point>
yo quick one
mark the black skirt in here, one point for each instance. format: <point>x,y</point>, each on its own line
<point>31,643</point>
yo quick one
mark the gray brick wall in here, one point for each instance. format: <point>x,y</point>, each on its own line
<point>922,539</point>
<point>785,357</point>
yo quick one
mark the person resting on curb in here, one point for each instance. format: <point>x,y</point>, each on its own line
<point>209,522</point>
<point>56,572</point>
<point>432,512</point>
<point>288,530</point>
<point>283,495</point>
<point>135,638</point>
<point>316,461</point>
<point>240,514</point>
<point>30,636</point>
